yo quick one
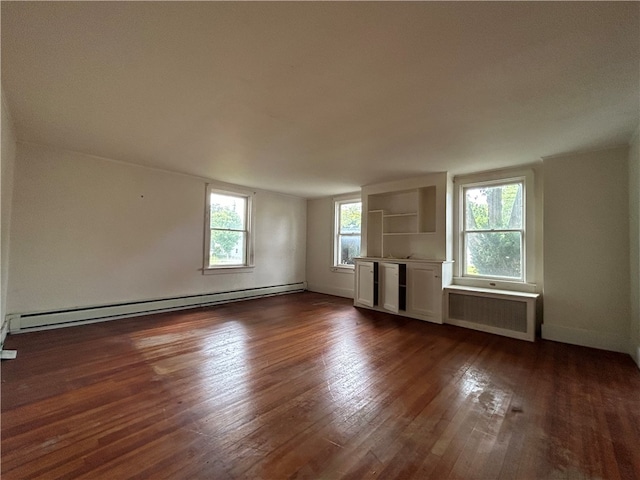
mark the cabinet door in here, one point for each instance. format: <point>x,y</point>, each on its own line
<point>364,284</point>
<point>390,274</point>
<point>424,291</point>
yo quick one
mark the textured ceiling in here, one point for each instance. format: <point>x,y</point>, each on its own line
<point>320,98</point>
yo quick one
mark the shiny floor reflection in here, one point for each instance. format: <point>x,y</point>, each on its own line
<point>306,386</point>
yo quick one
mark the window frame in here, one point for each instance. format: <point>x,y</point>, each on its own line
<point>526,282</point>
<point>337,203</point>
<point>249,215</point>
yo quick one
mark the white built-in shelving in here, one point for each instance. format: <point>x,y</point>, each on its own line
<point>395,215</point>
<point>406,260</point>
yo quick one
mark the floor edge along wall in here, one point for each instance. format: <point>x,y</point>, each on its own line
<point>28,322</point>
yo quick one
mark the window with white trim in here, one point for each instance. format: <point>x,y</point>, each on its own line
<point>228,242</point>
<point>347,231</point>
<point>493,230</point>
<point>495,225</point>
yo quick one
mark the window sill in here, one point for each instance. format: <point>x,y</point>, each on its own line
<point>495,284</point>
<point>229,269</point>
<point>343,269</point>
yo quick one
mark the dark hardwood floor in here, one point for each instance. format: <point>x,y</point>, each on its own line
<point>306,386</point>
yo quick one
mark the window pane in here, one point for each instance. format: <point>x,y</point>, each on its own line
<point>227,248</point>
<point>350,217</point>
<point>494,254</point>
<point>498,207</point>
<point>228,211</point>
<point>349,248</point>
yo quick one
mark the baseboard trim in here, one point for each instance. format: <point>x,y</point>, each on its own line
<point>586,338</point>
<point>29,322</point>
<point>337,292</point>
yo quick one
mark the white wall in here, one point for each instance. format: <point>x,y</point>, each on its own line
<point>321,277</point>
<point>89,231</point>
<point>586,249</point>
<point>634,241</point>
<point>6,193</point>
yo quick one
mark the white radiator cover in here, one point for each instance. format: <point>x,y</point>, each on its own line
<point>28,322</point>
<point>508,313</point>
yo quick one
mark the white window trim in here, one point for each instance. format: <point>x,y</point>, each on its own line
<point>337,201</point>
<point>248,266</point>
<point>529,248</point>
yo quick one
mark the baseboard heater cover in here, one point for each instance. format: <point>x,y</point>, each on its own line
<point>28,322</point>
<point>512,314</point>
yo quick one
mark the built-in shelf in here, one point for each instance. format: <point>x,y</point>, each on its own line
<point>390,215</point>
<point>407,217</point>
<point>391,234</point>
<point>402,286</point>
<point>397,214</point>
<point>374,229</point>
<point>427,209</point>
<point>406,254</point>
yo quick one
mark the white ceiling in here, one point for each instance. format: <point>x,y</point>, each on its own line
<point>320,98</point>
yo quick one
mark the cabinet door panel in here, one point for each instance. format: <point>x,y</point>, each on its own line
<point>365,284</point>
<point>424,291</point>
<point>390,273</point>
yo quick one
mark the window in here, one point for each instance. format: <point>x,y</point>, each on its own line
<point>495,223</point>
<point>493,230</point>
<point>347,232</point>
<point>228,229</point>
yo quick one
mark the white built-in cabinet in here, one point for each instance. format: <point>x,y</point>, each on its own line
<point>406,264</point>
<point>424,298</point>
<point>412,288</point>
<point>364,284</point>
<point>406,247</point>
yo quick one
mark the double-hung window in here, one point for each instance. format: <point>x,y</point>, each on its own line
<point>493,233</point>
<point>495,244</point>
<point>228,229</point>
<point>347,232</point>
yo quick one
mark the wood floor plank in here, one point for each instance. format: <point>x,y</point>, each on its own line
<point>307,386</point>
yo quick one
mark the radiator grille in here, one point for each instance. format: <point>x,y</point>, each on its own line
<point>493,312</point>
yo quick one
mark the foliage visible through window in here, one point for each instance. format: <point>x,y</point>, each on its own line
<point>493,230</point>
<point>228,230</point>
<point>348,222</point>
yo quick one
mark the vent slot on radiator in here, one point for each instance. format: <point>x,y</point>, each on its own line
<point>494,312</point>
<point>512,314</point>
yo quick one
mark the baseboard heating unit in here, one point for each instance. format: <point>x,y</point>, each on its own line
<point>508,313</point>
<point>25,322</point>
